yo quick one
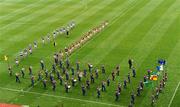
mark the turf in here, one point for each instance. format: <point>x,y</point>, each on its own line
<point>144,30</point>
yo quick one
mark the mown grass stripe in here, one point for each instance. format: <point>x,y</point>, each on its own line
<point>17,11</point>
<point>114,36</point>
<point>33,15</point>
<point>65,14</point>
<point>27,10</point>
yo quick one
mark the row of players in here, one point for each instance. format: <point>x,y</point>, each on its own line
<point>50,37</point>
<point>79,43</point>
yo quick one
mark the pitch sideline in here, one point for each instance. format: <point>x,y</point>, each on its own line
<point>174,95</point>
<point>49,95</point>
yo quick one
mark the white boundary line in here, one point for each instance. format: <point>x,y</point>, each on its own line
<point>49,95</point>
<point>174,95</point>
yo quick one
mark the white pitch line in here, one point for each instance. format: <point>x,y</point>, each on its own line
<point>49,95</point>
<point>34,85</point>
<point>173,95</point>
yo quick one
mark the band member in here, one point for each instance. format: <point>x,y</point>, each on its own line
<point>117,70</point>
<point>10,70</point>
<point>66,87</point>
<point>98,92</point>
<point>23,72</point>
<point>103,69</point>
<point>141,85</point>
<point>145,78</point>
<point>113,76</point>
<point>54,85</point>
<point>30,70</point>
<point>61,80</point>
<point>35,44</point>
<point>42,64</point>
<point>87,84</point>
<point>117,95</point>
<point>53,67</point>
<point>45,83</point>
<point>90,66</point>
<point>72,70</point>
<point>79,76</point>
<point>132,98</point>
<point>92,78</point>
<point>17,62</point>
<point>85,73</point>
<point>138,91</point>
<point>73,81</point>
<point>103,86</point>
<point>17,78</point>
<point>39,76</point>
<point>96,72</point>
<point>83,90</point>
<point>55,59</point>
<point>119,87</point>
<point>54,44</point>
<point>32,81</point>
<point>60,63</point>
<point>67,63</point>
<point>152,100</point>
<point>130,62</point>
<point>43,41</point>
<point>108,82</point>
<point>157,93</point>
<point>48,38</point>
<point>67,75</point>
<point>51,77</point>
<point>134,72</point>
<point>129,78</point>
<point>46,73</point>
<point>125,84</point>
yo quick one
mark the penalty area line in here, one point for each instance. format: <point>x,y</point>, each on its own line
<point>173,95</point>
<point>49,95</point>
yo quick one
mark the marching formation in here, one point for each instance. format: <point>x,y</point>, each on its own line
<point>70,77</point>
<point>64,73</point>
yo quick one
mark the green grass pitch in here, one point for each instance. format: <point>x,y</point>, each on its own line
<point>143,30</point>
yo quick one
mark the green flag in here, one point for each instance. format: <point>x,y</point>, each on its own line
<point>148,84</point>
